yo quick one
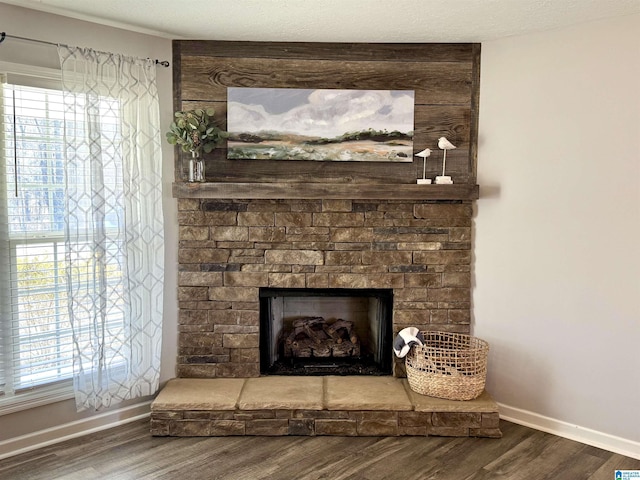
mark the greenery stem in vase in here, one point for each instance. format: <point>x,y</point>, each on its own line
<point>196,132</point>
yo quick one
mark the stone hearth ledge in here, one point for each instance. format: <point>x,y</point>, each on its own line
<point>329,405</point>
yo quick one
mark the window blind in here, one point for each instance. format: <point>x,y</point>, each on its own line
<point>37,345</point>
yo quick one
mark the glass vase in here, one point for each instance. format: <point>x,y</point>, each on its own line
<point>196,168</point>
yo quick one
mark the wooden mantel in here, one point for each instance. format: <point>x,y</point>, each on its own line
<point>313,191</point>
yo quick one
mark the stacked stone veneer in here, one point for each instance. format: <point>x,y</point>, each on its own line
<point>230,248</point>
<point>216,423</point>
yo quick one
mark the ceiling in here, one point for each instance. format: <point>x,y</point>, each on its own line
<point>337,20</point>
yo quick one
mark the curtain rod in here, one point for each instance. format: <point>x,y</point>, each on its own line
<point>4,35</point>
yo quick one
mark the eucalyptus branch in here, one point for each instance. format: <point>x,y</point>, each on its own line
<point>195,131</point>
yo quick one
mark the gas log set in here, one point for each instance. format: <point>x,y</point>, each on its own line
<point>315,337</point>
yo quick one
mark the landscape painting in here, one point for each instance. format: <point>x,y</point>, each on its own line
<point>320,124</point>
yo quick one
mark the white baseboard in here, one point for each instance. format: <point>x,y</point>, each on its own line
<point>77,428</point>
<point>584,435</point>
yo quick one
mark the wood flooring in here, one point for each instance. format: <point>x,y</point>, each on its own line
<point>129,452</point>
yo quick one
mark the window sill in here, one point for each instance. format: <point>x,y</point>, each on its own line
<point>37,397</point>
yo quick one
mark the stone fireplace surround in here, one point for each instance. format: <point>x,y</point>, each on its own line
<point>231,248</point>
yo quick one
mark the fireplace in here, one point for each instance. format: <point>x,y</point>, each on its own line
<point>242,261</point>
<point>325,331</point>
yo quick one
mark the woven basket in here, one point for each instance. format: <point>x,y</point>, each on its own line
<point>449,365</point>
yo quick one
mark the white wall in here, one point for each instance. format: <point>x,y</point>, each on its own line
<point>43,26</point>
<point>557,261</point>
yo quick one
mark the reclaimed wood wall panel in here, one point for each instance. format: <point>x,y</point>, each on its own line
<point>445,78</point>
<point>408,52</point>
<point>207,78</point>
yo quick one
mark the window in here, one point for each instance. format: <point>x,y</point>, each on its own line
<point>36,346</point>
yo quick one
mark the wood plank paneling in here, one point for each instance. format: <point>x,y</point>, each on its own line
<point>445,78</point>
<point>407,52</point>
<point>207,78</point>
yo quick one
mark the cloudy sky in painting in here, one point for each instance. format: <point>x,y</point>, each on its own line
<point>323,113</point>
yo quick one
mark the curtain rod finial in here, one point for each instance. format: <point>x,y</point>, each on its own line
<point>164,63</point>
<point>3,35</point>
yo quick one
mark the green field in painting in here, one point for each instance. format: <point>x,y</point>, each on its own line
<point>354,147</point>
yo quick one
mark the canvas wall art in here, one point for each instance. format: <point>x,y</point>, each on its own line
<point>320,124</point>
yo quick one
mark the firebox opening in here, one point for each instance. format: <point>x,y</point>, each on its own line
<point>325,331</point>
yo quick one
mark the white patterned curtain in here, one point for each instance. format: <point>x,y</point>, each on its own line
<point>114,225</point>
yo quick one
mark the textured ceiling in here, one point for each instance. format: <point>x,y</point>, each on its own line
<point>337,20</point>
